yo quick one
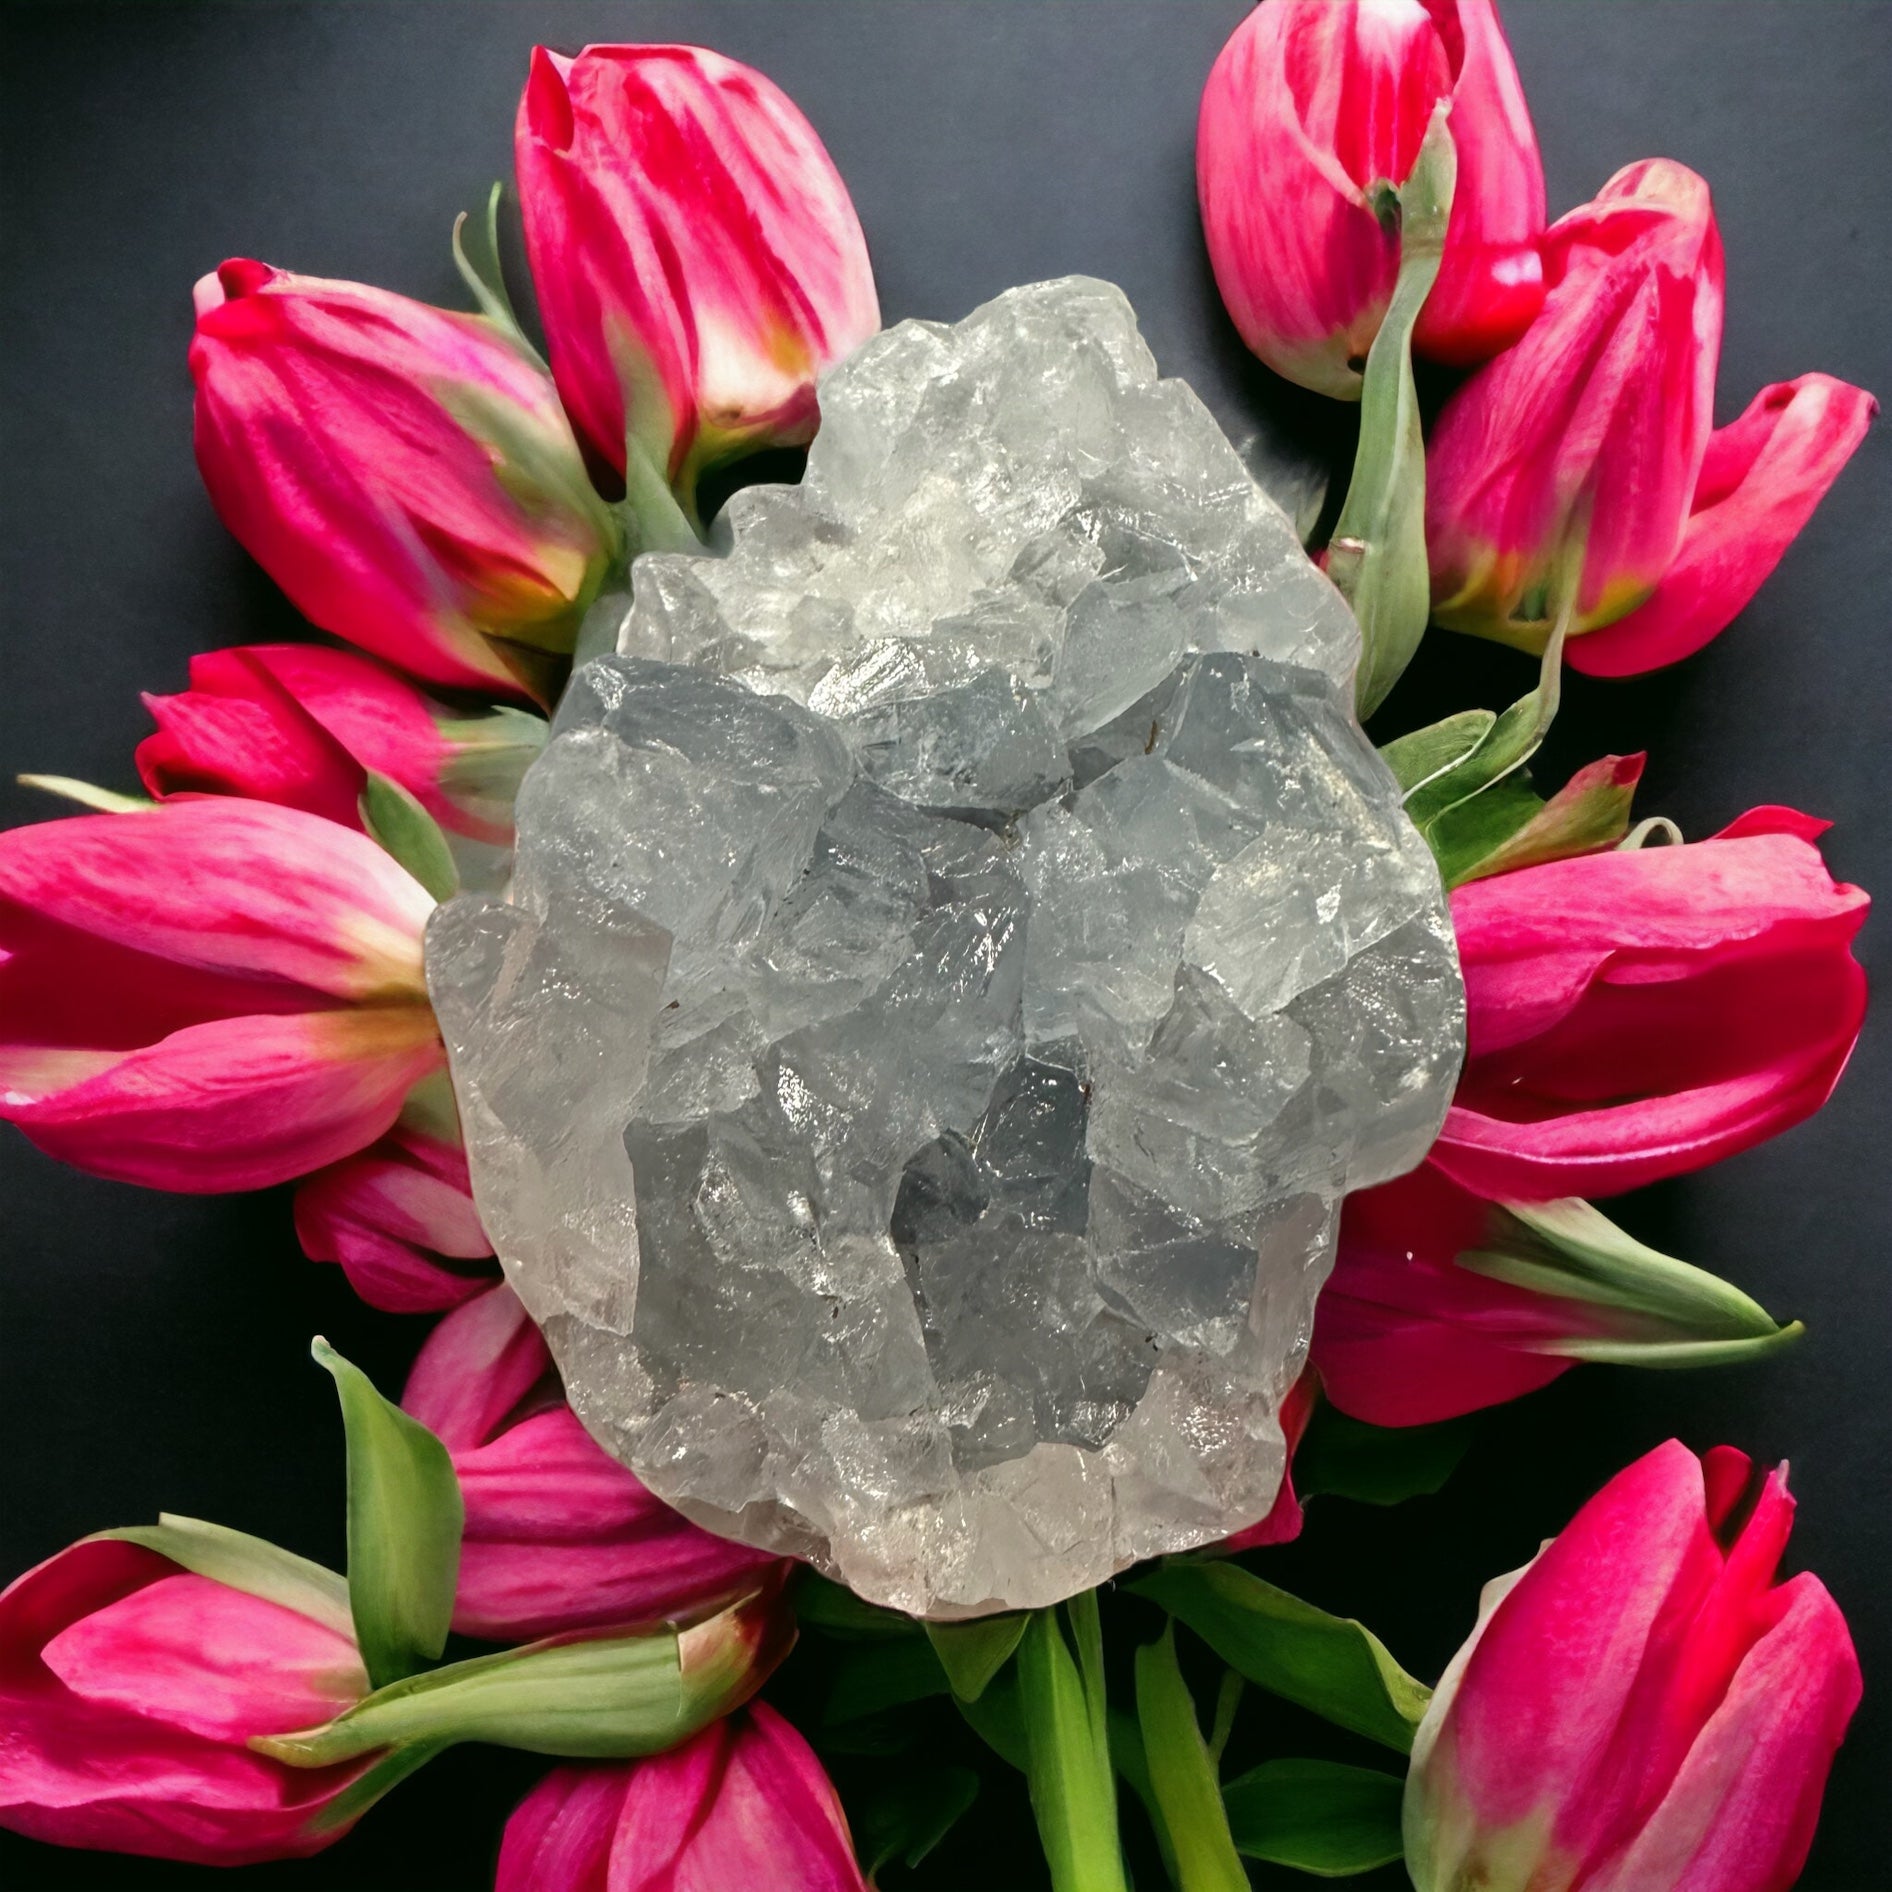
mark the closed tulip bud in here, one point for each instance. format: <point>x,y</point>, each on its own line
<point>1313,112</point>
<point>405,473</point>
<point>1569,463</point>
<point>1441,1303</point>
<point>211,994</point>
<point>400,1219</point>
<point>696,256</point>
<point>744,1803</point>
<point>1643,1706</point>
<point>559,1536</point>
<point>301,724</point>
<point>1639,1013</point>
<point>130,1690</point>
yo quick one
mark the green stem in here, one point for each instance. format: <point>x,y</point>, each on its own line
<point>1068,1767</point>
<point>1377,555</point>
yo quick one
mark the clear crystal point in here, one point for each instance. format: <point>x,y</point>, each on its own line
<point>961,949</point>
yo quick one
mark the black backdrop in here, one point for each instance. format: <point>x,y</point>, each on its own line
<point>154,1347</point>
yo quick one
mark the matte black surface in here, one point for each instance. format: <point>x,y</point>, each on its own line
<point>153,1348</point>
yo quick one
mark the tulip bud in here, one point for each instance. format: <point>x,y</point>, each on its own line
<point>301,724</point>
<point>1642,1706</point>
<point>130,1687</point>
<point>405,474</point>
<point>1568,464</point>
<point>211,994</point>
<point>744,1803</point>
<point>696,256</point>
<point>559,1535</point>
<point>588,1697</point>
<point>399,1218</point>
<point>1440,1303</point>
<point>1312,117</point>
<point>1639,1013</point>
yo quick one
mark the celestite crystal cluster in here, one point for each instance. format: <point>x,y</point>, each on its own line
<point>961,949</point>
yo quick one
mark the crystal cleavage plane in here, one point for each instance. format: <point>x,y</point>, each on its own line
<point>961,949</point>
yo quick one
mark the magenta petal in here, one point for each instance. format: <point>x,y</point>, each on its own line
<point>230,886</point>
<point>403,1229</point>
<point>475,1368</point>
<point>559,1837</point>
<point>1764,475</point>
<point>238,1103</point>
<point>215,1661</point>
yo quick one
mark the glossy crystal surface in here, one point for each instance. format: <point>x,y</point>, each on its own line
<point>961,949</point>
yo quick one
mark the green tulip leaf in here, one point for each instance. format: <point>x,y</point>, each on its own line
<point>998,1718</point>
<point>1331,1665</point>
<point>864,1678</point>
<point>249,1564</point>
<point>485,276</point>
<point>1319,1817</point>
<point>1509,826</point>
<point>1182,1774</point>
<point>1342,1457</point>
<point>905,1818</point>
<point>406,830</point>
<point>1651,1309</point>
<point>1426,754</point>
<point>1377,555</point>
<point>1067,1750</point>
<point>973,1653</point>
<point>404,1522</point>
<point>836,1611</point>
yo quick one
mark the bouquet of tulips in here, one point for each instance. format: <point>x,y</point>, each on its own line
<point>217,985</point>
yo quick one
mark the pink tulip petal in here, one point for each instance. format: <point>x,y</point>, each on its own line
<point>1741,1811</point>
<point>400,1220</point>
<point>560,1536</point>
<point>744,1803</point>
<point>1491,282</point>
<point>238,1103</point>
<point>1759,485</point>
<point>559,1837</point>
<point>475,1368</point>
<point>227,886</point>
<point>251,738</point>
<point>197,1655</point>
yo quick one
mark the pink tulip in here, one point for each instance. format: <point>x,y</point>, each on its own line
<point>399,1218</point>
<point>210,995</point>
<point>1313,106</point>
<point>1760,481</point>
<point>128,1690</point>
<point>1283,1522</point>
<point>301,724</point>
<point>559,1535</point>
<point>1639,1013</point>
<point>1642,1706</point>
<point>1574,456</point>
<point>405,474</point>
<point>696,256</point>
<point>1403,1337</point>
<point>744,1804</point>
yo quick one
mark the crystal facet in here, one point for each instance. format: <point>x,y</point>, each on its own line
<point>961,949</point>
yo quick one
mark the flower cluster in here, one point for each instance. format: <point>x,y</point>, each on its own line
<point>219,985</point>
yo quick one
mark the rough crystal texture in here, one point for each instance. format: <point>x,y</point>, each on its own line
<point>961,949</point>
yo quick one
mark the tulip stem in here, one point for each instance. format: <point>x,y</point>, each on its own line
<point>1068,1766</point>
<point>1377,555</point>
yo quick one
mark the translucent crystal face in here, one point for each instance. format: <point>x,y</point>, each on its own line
<point>961,949</point>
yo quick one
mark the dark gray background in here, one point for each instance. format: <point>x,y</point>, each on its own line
<point>154,1347</point>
